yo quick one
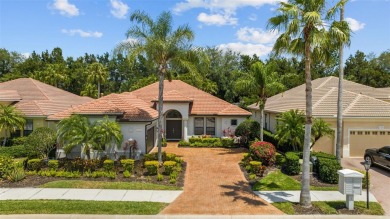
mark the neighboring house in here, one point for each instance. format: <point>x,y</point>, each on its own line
<point>366,113</point>
<point>187,112</point>
<point>37,101</point>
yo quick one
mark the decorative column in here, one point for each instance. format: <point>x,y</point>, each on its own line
<point>185,129</point>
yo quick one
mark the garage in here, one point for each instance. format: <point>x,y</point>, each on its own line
<point>360,140</point>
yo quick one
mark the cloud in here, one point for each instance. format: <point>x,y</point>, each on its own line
<point>218,4</point>
<point>82,33</point>
<point>217,19</point>
<point>354,24</point>
<point>65,8</point>
<point>252,17</point>
<point>26,55</point>
<point>256,35</point>
<point>119,9</point>
<point>247,48</point>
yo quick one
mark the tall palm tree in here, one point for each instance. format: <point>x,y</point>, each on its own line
<point>10,120</point>
<point>262,81</point>
<point>98,74</point>
<point>305,34</point>
<point>161,45</point>
<point>108,132</point>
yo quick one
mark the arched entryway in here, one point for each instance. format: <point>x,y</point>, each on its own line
<point>173,127</point>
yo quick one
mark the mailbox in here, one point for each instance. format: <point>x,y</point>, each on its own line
<point>350,184</point>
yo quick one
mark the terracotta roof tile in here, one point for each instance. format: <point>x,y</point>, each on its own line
<point>9,95</point>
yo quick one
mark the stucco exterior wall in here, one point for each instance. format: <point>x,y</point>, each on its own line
<point>222,123</point>
<point>135,131</point>
<point>269,119</point>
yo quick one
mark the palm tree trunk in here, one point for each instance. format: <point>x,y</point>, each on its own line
<point>261,123</point>
<point>305,199</point>
<point>340,97</point>
<point>5,136</point>
<point>98,89</point>
<point>160,116</point>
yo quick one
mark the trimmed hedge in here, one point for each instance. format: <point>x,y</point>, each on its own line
<point>327,170</point>
<point>184,143</point>
<point>152,167</point>
<point>128,165</point>
<point>208,142</point>
<point>14,151</point>
<point>108,165</point>
<point>291,165</point>
<point>53,164</point>
<point>169,166</point>
<point>35,164</point>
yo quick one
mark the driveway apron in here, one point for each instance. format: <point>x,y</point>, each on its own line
<point>214,184</point>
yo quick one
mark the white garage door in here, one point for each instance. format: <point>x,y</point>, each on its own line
<point>360,140</point>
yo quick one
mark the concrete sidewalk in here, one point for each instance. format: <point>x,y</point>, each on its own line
<point>293,196</point>
<point>164,196</point>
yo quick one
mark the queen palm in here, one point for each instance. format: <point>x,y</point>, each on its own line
<point>262,81</point>
<point>98,74</point>
<point>305,34</point>
<point>10,120</point>
<point>160,44</point>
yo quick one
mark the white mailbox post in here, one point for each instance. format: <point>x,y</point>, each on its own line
<point>350,184</point>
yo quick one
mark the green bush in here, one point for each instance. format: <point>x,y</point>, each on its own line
<point>184,143</point>
<point>91,165</point>
<point>110,174</point>
<point>193,140</point>
<point>248,130</point>
<point>327,170</point>
<point>279,159</point>
<point>269,137</point>
<point>53,164</point>
<point>227,142</point>
<point>164,142</point>
<point>170,157</point>
<point>291,166</point>
<point>179,160</point>
<point>252,176</point>
<point>322,155</point>
<point>77,164</point>
<point>169,166</point>
<point>263,151</point>
<point>154,156</point>
<point>19,140</point>
<point>255,166</point>
<point>151,167</point>
<point>160,177</point>
<point>6,165</point>
<point>108,165</point>
<point>128,165</point>
<point>246,158</point>
<point>15,151</point>
<point>217,144</point>
<point>126,174</point>
<point>35,164</point>
<point>16,174</point>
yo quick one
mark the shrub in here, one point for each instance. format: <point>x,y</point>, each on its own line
<point>19,140</point>
<point>291,166</point>
<point>323,155</point>
<point>327,170</point>
<point>227,142</point>
<point>184,143</point>
<point>15,151</point>
<point>364,180</point>
<point>173,175</point>
<point>91,165</point>
<point>108,165</point>
<point>77,164</point>
<point>126,174</point>
<point>246,158</point>
<point>16,174</point>
<point>179,160</point>
<point>210,141</point>
<point>35,164</point>
<point>217,144</point>
<point>128,165</point>
<point>53,164</point>
<point>151,167</point>
<point>264,152</point>
<point>98,174</point>
<point>160,177</point>
<point>170,157</point>
<point>169,166</point>
<point>255,166</point>
<point>5,165</point>
<point>151,156</point>
<point>248,130</point>
<point>279,159</point>
<point>110,174</point>
<point>269,137</point>
<point>163,142</point>
<point>193,140</point>
<point>252,176</point>
<point>172,181</point>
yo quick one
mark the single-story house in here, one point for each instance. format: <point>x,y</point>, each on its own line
<point>187,110</point>
<point>37,101</point>
<point>366,113</point>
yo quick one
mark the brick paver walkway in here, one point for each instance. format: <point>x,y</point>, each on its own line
<point>214,184</point>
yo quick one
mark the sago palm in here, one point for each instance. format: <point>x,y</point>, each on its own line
<point>10,120</point>
<point>305,34</point>
<point>261,81</point>
<point>159,43</point>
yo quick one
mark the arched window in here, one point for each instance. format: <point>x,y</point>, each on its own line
<point>174,114</point>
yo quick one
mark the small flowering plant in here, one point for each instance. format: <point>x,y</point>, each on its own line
<point>263,151</point>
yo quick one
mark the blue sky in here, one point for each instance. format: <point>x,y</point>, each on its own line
<point>97,26</point>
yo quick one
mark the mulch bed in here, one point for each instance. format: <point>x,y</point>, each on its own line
<point>139,175</point>
<point>314,180</point>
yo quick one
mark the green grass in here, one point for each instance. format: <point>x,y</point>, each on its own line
<point>81,184</point>
<point>332,207</point>
<point>80,207</point>
<point>278,181</point>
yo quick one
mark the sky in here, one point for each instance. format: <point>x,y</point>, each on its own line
<point>98,26</point>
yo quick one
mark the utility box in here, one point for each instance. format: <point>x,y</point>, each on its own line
<point>350,184</point>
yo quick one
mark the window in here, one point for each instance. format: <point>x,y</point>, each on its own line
<point>199,126</point>
<point>210,126</point>
<point>28,128</point>
<point>382,133</point>
<point>360,133</point>
<point>233,122</point>
<point>352,133</point>
<point>367,133</point>
<point>173,114</point>
<point>374,133</point>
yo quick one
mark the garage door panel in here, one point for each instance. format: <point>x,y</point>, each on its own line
<point>362,139</point>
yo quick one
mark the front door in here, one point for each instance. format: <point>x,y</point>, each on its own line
<point>173,129</point>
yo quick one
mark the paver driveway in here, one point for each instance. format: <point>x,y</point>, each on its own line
<point>214,184</point>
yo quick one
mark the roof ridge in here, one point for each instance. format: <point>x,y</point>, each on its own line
<point>323,97</point>
<point>43,93</point>
<point>323,83</point>
<point>357,98</point>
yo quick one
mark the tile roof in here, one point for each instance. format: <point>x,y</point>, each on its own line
<point>9,95</point>
<point>356,100</point>
<point>39,99</point>
<point>203,103</point>
<point>127,106</point>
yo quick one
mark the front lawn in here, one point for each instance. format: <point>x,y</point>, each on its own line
<point>333,207</point>
<point>80,207</point>
<point>278,181</point>
<point>82,184</point>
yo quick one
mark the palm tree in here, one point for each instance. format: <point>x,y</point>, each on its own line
<point>108,132</point>
<point>89,90</point>
<point>290,128</point>
<point>10,120</point>
<point>262,81</point>
<point>160,44</point>
<point>319,129</point>
<point>305,34</point>
<point>97,73</point>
